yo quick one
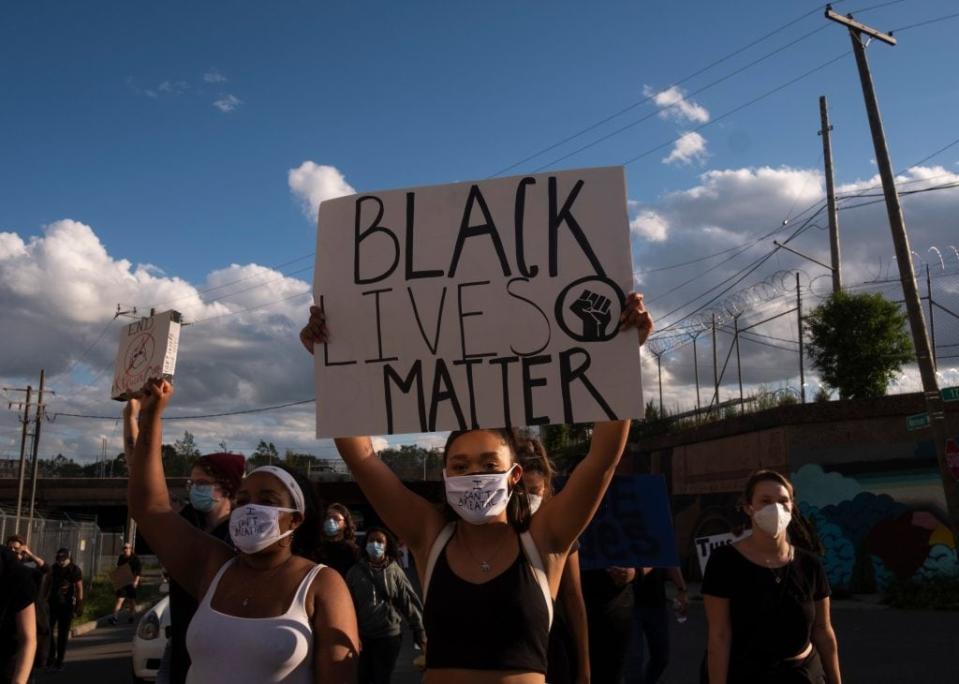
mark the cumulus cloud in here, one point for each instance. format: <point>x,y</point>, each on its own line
<point>214,76</point>
<point>314,183</point>
<point>673,104</point>
<point>227,103</point>
<point>649,225</point>
<point>689,147</point>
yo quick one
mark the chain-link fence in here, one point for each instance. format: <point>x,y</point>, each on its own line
<point>45,535</point>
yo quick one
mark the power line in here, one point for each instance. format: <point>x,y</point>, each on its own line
<point>644,100</point>
<point>239,412</point>
<point>924,23</point>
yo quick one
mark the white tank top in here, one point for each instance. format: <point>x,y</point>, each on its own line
<point>238,650</point>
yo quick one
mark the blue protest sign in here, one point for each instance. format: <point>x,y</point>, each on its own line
<point>633,526</point>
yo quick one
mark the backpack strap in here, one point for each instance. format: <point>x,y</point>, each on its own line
<point>442,539</point>
<point>539,571</point>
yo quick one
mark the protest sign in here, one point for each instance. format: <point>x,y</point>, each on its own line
<point>706,545</point>
<point>633,527</point>
<point>148,349</point>
<point>470,305</point>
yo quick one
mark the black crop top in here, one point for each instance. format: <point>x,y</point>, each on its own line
<point>771,620</point>
<point>502,624</point>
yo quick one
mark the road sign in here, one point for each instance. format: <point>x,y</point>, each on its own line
<point>919,421</point>
<point>950,393</point>
<point>952,457</point>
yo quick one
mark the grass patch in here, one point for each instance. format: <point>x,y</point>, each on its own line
<point>100,597</point>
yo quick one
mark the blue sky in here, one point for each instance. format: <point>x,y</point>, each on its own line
<point>164,134</point>
<point>398,94</point>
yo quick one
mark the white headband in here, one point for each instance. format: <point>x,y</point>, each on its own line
<point>289,481</point>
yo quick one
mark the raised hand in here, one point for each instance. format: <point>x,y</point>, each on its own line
<point>636,316</point>
<point>593,311</point>
<point>315,331</point>
<point>155,396</point>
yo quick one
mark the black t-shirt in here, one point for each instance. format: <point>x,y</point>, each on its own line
<point>183,605</point>
<point>134,561</point>
<point>63,583</point>
<point>17,591</point>
<point>770,620</point>
<point>339,555</point>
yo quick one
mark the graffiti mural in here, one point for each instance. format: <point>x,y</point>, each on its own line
<point>871,538</point>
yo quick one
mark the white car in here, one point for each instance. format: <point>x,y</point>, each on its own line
<point>150,641</point>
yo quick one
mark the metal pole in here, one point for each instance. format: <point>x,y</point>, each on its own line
<point>932,320</point>
<point>696,372</point>
<point>927,371</point>
<point>659,371</point>
<point>802,365</point>
<point>830,196</point>
<point>36,446</point>
<point>739,365</point>
<point>23,459</point>
<point>715,368</point>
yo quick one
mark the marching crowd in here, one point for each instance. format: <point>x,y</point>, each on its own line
<point>267,586</point>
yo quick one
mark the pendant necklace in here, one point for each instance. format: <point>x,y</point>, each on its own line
<point>776,575</point>
<point>484,565</point>
<point>269,575</point>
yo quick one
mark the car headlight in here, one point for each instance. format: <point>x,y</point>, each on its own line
<point>149,626</point>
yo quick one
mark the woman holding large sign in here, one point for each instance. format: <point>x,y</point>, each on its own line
<point>490,571</point>
<point>266,614</point>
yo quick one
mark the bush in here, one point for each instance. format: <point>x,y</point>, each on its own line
<point>940,593</point>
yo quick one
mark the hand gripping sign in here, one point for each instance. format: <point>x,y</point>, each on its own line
<point>148,349</point>
<point>484,304</point>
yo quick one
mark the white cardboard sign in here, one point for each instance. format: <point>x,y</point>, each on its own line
<point>706,545</point>
<point>484,304</point>
<point>148,349</point>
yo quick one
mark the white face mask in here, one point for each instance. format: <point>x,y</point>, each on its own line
<point>480,498</point>
<point>535,501</point>
<point>772,519</point>
<point>254,527</point>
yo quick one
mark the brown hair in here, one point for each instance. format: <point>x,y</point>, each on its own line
<point>517,511</point>
<point>349,527</point>
<point>800,531</point>
<point>225,482</point>
<point>15,538</point>
<point>534,459</point>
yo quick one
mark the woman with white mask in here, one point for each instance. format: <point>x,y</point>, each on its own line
<point>767,597</point>
<point>267,613</point>
<point>490,572</point>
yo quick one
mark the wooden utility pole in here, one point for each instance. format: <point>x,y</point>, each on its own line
<point>36,446</point>
<point>802,360</point>
<point>23,449</point>
<point>900,239</point>
<point>715,368</point>
<point>830,196</point>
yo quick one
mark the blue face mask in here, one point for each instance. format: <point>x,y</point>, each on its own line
<point>331,528</point>
<point>202,499</point>
<point>376,550</point>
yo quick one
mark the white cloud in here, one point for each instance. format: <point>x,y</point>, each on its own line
<point>673,104</point>
<point>214,76</point>
<point>315,183</point>
<point>172,87</point>
<point>227,103</point>
<point>650,225</point>
<point>689,147</point>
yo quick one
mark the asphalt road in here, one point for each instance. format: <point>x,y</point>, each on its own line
<point>876,645</point>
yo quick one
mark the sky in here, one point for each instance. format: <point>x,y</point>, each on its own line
<point>155,155</point>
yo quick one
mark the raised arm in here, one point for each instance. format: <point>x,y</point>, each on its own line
<point>406,513</point>
<point>131,429</point>
<point>409,515</point>
<point>188,554</point>
<point>564,517</point>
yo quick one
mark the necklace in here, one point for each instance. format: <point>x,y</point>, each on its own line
<point>777,576</point>
<point>267,576</point>
<point>484,565</point>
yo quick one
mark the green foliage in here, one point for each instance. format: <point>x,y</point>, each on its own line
<point>187,447</point>
<point>264,454</point>
<point>939,593</point>
<point>411,461</point>
<point>858,342</point>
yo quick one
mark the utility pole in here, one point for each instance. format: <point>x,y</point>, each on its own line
<point>36,445</point>
<point>696,372</point>
<point>715,368</point>
<point>802,361</point>
<point>23,449</point>
<point>830,196</point>
<point>900,239</point>
<point>739,364</point>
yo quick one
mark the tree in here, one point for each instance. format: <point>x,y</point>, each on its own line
<point>858,342</point>
<point>264,454</point>
<point>186,447</point>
